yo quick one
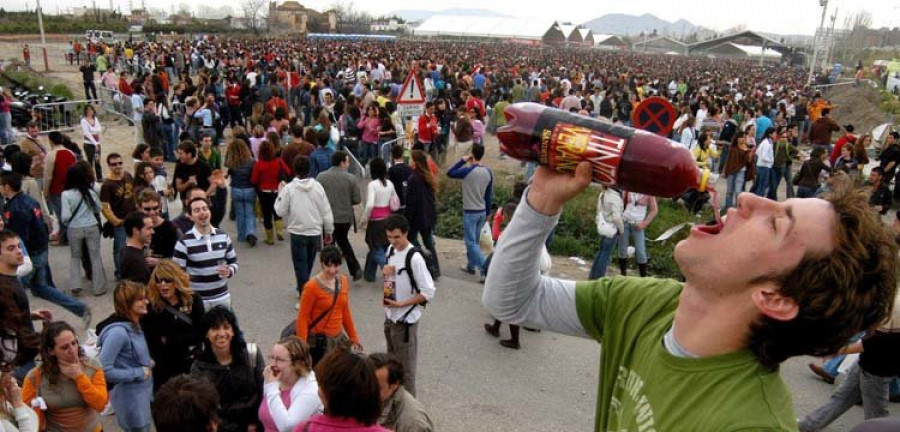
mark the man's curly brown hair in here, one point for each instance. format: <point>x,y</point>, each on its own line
<point>839,294</point>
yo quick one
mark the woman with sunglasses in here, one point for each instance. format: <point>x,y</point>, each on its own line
<point>68,387</point>
<point>172,322</point>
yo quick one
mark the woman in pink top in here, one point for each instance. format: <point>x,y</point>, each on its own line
<point>370,125</point>
<point>350,392</point>
<point>291,392</point>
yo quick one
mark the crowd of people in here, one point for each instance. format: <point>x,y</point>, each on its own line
<point>268,129</point>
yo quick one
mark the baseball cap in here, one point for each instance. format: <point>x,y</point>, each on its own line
<point>849,128</point>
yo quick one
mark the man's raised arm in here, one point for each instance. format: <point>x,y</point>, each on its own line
<point>515,292</point>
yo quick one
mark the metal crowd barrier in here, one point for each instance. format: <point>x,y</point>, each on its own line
<point>58,116</point>
<point>115,104</point>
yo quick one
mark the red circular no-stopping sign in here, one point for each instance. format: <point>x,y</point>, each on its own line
<point>654,114</point>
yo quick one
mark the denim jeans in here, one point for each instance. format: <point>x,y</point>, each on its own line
<point>603,256</point>
<point>77,237</point>
<point>20,372</point>
<point>377,257</point>
<point>303,257</point>
<point>735,187</point>
<point>39,283</point>
<point>806,192</point>
<point>640,245</point>
<point>763,180</point>
<point>5,128</point>
<point>119,238</point>
<point>859,385</point>
<point>779,173</point>
<point>367,151</point>
<point>472,223</point>
<point>244,199</point>
<point>723,156</point>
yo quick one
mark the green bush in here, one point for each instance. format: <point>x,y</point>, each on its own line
<point>576,234</point>
<point>33,81</point>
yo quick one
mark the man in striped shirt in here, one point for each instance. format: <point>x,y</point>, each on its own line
<point>207,255</point>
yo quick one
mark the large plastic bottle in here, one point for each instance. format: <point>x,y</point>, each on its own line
<point>633,159</point>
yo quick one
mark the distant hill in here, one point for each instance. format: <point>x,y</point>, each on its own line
<point>421,14</point>
<point>630,25</point>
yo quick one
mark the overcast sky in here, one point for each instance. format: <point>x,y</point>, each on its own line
<point>775,16</point>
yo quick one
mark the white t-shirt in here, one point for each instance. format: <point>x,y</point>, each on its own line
<point>403,289</point>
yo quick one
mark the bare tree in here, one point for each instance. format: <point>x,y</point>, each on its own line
<point>853,38</point>
<point>349,18</point>
<point>255,12</point>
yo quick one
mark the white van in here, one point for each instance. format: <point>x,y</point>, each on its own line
<point>98,36</point>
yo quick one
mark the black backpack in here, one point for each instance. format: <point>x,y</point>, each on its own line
<point>407,267</point>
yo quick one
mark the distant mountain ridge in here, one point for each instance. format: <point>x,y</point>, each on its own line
<point>414,15</point>
<point>631,25</point>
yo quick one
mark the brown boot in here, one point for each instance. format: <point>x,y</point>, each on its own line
<point>270,237</point>
<point>279,229</point>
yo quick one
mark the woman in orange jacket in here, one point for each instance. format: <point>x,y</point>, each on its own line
<point>68,389</point>
<point>323,318</point>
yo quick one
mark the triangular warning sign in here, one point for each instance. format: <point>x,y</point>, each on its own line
<point>412,92</point>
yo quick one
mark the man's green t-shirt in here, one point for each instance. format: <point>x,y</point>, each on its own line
<point>645,388</point>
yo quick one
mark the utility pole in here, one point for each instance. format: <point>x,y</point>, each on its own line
<point>828,58</point>
<point>40,15</point>
<point>812,64</point>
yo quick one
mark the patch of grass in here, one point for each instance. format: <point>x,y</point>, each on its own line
<point>33,81</point>
<point>576,234</point>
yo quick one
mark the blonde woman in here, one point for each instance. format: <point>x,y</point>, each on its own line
<point>15,415</point>
<point>172,322</point>
<point>291,393</point>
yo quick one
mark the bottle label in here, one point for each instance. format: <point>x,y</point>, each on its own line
<point>565,143</point>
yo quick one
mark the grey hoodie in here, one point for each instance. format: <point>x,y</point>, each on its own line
<point>305,208</point>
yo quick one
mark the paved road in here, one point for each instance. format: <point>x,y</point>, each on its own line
<point>466,380</point>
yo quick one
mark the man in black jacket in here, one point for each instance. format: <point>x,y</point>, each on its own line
<point>880,199</point>
<point>152,125</point>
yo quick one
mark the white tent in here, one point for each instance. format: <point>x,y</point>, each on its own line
<point>756,51</point>
<point>488,27</point>
<point>585,33</point>
<point>567,30</point>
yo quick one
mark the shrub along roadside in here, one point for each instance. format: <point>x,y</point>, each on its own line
<point>576,234</point>
<point>33,81</point>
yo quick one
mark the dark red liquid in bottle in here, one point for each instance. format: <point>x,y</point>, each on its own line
<point>632,159</point>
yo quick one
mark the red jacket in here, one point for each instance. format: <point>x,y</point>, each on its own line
<point>232,93</point>
<point>836,153</point>
<point>274,103</point>
<point>125,87</point>
<point>267,174</point>
<point>428,128</point>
